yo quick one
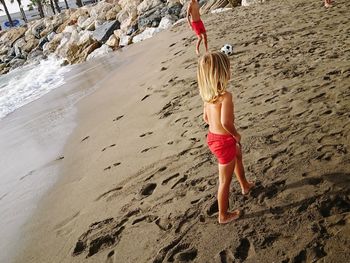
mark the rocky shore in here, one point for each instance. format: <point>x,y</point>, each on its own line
<point>77,35</point>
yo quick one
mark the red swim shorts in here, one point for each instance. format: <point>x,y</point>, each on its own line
<point>198,27</point>
<point>223,146</point>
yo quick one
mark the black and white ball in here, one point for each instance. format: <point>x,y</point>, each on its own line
<point>227,49</point>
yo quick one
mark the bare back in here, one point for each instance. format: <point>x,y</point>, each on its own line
<point>193,11</point>
<point>213,115</point>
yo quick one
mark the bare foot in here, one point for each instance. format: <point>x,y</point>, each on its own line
<point>229,217</point>
<point>249,187</point>
<point>327,5</point>
<point>197,52</point>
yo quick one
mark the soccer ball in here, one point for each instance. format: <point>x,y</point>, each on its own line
<point>227,49</point>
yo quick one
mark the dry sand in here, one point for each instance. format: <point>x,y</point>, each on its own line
<point>139,184</point>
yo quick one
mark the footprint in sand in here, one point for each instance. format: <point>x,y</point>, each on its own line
<point>145,97</point>
<point>110,146</point>
<point>226,256</point>
<point>145,134</point>
<point>148,149</point>
<point>118,118</point>
<point>241,252</point>
<point>148,189</point>
<point>87,137</point>
<point>110,167</point>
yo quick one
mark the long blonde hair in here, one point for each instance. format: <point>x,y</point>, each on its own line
<point>213,74</point>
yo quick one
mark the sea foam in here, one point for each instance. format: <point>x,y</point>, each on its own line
<point>24,85</point>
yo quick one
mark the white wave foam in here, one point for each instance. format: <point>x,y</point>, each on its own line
<point>24,85</point>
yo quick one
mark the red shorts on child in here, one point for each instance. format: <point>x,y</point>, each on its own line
<point>198,27</point>
<point>223,146</point>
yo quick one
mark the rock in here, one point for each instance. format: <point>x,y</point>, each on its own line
<point>175,9</point>
<point>11,52</point>
<point>70,36</point>
<point>28,35</point>
<point>113,42</point>
<point>133,28</point>
<point>102,33</point>
<point>37,28</point>
<point>126,24</point>
<point>18,45</point>
<point>147,33</point>
<point>35,55</point>
<point>16,62</point>
<point>112,13</point>
<point>251,2</point>
<point>150,18</point>
<point>147,5</point>
<point>81,21</point>
<point>42,42</point>
<point>98,23</point>
<point>2,66</point>
<point>118,33</point>
<point>30,45</point>
<point>88,24</point>
<point>124,40</point>
<point>84,54</point>
<point>5,70</point>
<point>51,36</point>
<point>83,11</point>
<point>85,38</point>
<point>166,22</point>
<point>3,50</point>
<point>53,44</point>
<point>12,35</point>
<point>99,11</point>
<point>103,50</point>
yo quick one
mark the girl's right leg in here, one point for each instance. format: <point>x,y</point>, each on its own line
<point>198,43</point>
<point>246,186</point>
<point>225,178</point>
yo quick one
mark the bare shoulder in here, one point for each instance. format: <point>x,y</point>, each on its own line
<point>227,96</point>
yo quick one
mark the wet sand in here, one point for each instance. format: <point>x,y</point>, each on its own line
<point>138,183</point>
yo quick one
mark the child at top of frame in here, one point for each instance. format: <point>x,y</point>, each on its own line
<point>223,139</point>
<point>196,24</point>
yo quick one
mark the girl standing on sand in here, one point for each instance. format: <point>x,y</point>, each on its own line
<point>223,139</point>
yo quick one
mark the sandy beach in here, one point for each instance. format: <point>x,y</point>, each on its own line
<point>137,182</point>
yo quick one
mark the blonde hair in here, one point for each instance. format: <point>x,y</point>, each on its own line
<point>213,74</point>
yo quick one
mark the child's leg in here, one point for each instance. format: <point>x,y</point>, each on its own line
<point>225,177</point>
<point>240,173</point>
<point>205,41</point>
<point>198,43</point>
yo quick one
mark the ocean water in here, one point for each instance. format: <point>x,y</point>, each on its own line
<point>38,114</point>
<point>26,84</point>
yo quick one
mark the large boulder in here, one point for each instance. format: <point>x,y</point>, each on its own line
<point>113,42</point>
<point>53,44</point>
<point>37,28</point>
<point>103,50</point>
<point>102,33</point>
<point>17,62</point>
<point>10,37</point>
<point>88,24</point>
<point>30,45</point>
<point>151,18</point>
<point>99,11</point>
<point>147,5</point>
<point>125,40</point>
<point>166,22</point>
<point>147,33</point>
<point>18,45</point>
<point>174,9</point>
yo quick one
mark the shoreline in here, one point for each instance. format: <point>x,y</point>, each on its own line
<point>35,133</point>
<point>136,167</point>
